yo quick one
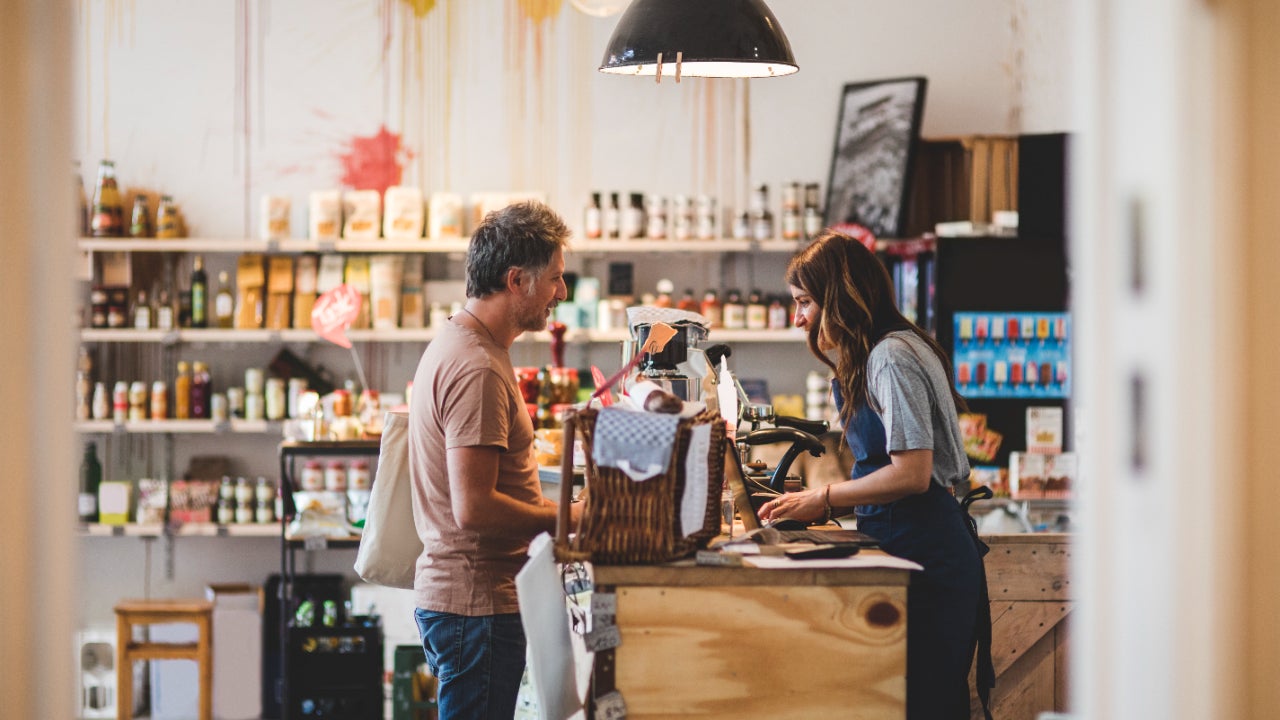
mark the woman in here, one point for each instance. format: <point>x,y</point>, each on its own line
<point>894,393</point>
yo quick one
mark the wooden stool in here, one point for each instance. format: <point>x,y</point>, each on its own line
<point>161,612</point>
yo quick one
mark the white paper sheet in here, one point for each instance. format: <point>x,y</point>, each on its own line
<point>861,560</point>
<point>693,506</point>
<point>546,629</point>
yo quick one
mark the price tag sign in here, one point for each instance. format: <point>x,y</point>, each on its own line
<point>315,542</point>
<point>604,604</point>
<point>611,706</point>
<point>603,638</point>
<point>334,312</point>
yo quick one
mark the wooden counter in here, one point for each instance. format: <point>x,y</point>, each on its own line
<point>1028,577</point>
<point>745,642</point>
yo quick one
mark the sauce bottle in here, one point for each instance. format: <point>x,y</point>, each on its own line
<point>223,302</point>
<point>90,480</point>
<point>182,392</point>
<point>167,223</point>
<point>199,294</point>
<point>108,214</point>
<point>592,220</point>
<point>734,313</point>
<point>201,390</point>
<point>711,309</point>
<point>140,225</point>
<point>688,302</point>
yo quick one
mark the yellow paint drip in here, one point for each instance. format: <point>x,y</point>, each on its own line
<point>420,7</point>
<point>539,10</point>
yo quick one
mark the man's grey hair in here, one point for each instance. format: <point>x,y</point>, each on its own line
<point>524,235</point>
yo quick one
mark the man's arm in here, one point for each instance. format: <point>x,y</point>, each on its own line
<point>479,507</point>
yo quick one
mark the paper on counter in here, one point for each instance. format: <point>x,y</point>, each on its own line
<point>546,629</point>
<point>693,506</point>
<point>861,560</point>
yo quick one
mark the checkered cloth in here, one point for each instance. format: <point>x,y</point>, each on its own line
<point>637,443</point>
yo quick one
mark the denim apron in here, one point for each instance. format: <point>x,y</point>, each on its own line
<point>948,611</point>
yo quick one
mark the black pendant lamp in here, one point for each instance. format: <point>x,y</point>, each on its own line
<point>699,38</point>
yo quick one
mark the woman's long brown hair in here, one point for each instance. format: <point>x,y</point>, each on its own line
<point>856,308</point>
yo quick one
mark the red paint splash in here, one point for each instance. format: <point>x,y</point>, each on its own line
<point>375,162</point>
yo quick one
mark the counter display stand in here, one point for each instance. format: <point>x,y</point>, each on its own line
<point>325,671</point>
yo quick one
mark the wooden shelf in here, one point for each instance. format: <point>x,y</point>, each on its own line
<point>420,335</point>
<point>179,427</point>
<point>271,530</point>
<point>425,245</point>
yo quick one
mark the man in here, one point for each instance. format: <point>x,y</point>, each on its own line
<point>476,497</point>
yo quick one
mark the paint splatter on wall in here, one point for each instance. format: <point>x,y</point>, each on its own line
<point>375,162</point>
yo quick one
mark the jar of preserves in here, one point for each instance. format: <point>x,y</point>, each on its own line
<point>312,476</point>
<point>335,477</point>
<point>358,477</point>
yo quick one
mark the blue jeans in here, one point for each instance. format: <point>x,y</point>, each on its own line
<point>478,661</point>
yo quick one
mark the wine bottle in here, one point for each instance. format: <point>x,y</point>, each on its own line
<point>90,480</point>
<point>199,294</point>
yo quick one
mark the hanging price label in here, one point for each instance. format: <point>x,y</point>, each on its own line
<point>334,312</point>
<point>611,706</point>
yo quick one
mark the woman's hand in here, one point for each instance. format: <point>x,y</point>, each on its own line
<point>807,505</point>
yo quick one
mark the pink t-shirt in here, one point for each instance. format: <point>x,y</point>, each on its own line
<point>465,395</point>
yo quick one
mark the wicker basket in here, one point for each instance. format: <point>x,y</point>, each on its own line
<point>625,522</point>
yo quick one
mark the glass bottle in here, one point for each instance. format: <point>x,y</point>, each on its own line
<point>688,302</point>
<point>199,294</point>
<point>140,224</point>
<point>182,392</point>
<point>201,390</point>
<point>108,214</point>
<point>735,313</point>
<point>167,222</point>
<point>592,221</point>
<point>665,288</point>
<point>223,302</point>
<point>90,480</point>
<point>101,406</point>
<point>141,311</point>
<point>757,312</point>
<point>612,222</point>
<point>711,309</point>
<point>544,417</point>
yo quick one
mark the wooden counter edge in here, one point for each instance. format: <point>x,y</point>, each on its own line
<point>1028,538</point>
<point>690,575</point>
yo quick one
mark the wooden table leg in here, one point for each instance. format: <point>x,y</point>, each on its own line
<point>205,659</point>
<point>124,669</point>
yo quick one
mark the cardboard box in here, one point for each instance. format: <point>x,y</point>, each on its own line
<point>115,502</point>
<point>250,279</point>
<point>237,651</point>
<point>279,291</point>
<point>304,289</point>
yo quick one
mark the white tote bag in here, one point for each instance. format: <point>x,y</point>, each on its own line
<point>390,546</point>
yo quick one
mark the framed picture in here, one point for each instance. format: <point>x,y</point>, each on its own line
<point>879,123</point>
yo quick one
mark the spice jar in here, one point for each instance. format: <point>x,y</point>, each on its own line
<point>335,477</point>
<point>358,476</point>
<point>312,476</point>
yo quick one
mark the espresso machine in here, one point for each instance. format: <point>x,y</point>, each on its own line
<point>674,367</point>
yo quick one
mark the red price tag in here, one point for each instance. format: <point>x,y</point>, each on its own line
<point>334,312</point>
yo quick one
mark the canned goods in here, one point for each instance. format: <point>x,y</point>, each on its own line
<point>297,387</point>
<point>218,407</point>
<point>253,406</point>
<point>159,400</point>
<point>275,399</point>
<point>235,402</point>
<point>358,476</point>
<point>335,477</point>
<point>312,476</point>
<point>253,381</point>
<point>120,401</point>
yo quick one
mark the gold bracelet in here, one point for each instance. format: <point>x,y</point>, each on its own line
<point>826,498</point>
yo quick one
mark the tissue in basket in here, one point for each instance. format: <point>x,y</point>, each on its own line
<point>629,522</point>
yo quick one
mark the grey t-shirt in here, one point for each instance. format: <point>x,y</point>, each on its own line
<point>909,390</point>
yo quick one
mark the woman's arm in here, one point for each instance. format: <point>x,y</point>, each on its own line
<point>909,472</point>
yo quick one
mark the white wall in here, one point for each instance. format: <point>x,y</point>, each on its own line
<point>219,103</point>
